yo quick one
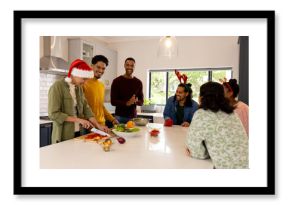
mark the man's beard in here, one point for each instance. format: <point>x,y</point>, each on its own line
<point>179,98</point>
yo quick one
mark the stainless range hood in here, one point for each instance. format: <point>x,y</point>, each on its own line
<point>51,62</point>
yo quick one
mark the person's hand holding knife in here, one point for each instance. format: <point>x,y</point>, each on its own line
<point>85,123</point>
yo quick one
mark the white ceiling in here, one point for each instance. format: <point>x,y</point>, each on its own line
<point>117,39</point>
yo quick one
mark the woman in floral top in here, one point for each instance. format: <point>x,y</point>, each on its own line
<point>216,132</point>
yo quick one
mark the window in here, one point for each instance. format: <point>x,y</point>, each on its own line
<point>158,87</point>
<point>163,83</point>
<point>220,74</point>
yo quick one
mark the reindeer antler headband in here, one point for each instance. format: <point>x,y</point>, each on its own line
<point>181,77</point>
<point>226,83</point>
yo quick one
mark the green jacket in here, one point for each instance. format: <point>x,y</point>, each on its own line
<point>60,106</point>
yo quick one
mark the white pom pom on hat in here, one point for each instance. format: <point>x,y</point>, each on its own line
<point>79,68</point>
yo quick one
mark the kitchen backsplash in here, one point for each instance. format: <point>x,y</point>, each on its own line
<point>45,81</point>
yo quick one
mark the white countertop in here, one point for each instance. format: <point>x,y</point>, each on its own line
<point>155,114</point>
<point>44,121</point>
<point>167,151</point>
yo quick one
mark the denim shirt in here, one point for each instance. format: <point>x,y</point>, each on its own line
<point>170,110</point>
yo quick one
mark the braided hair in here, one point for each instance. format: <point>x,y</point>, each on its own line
<point>212,98</point>
<point>233,86</point>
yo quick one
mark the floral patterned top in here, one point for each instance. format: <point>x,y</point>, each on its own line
<point>221,137</point>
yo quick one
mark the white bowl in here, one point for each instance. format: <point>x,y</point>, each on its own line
<point>126,134</point>
<point>140,121</point>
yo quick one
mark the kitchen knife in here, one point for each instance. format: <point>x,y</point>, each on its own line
<point>95,130</point>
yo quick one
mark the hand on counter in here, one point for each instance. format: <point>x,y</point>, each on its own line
<point>185,124</point>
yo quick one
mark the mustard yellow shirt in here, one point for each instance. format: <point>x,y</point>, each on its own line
<point>94,91</point>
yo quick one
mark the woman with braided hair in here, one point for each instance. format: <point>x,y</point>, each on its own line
<point>232,89</point>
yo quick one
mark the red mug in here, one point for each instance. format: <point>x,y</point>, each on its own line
<point>168,122</point>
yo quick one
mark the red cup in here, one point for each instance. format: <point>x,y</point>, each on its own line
<point>168,122</point>
<point>154,133</point>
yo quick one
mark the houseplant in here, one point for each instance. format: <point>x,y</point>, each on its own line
<point>148,106</point>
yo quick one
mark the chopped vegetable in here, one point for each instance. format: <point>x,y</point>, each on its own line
<point>123,128</point>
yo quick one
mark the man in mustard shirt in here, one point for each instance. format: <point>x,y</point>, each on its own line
<point>94,91</point>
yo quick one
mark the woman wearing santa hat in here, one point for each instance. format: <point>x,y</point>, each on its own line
<point>67,106</point>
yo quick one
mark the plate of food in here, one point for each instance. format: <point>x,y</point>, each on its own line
<point>126,130</point>
<point>93,137</point>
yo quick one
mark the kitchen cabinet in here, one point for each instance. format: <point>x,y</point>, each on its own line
<point>111,70</point>
<point>80,49</point>
<point>86,50</point>
<point>45,134</point>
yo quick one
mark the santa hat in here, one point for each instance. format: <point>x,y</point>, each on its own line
<point>79,68</point>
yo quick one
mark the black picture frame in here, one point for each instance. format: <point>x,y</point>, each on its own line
<point>19,189</point>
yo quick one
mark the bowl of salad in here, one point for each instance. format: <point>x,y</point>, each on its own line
<point>126,130</point>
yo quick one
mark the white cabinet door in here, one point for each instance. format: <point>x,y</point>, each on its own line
<point>80,49</point>
<point>111,70</point>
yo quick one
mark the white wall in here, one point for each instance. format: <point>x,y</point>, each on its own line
<point>45,81</point>
<point>194,52</point>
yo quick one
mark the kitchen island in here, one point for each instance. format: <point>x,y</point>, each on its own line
<point>166,151</point>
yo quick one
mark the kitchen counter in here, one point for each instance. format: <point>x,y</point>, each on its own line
<point>167,151</point>
<point>157,117</point>
<point>44,121</point>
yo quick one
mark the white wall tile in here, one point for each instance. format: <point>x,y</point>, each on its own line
<point>46,80</point>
